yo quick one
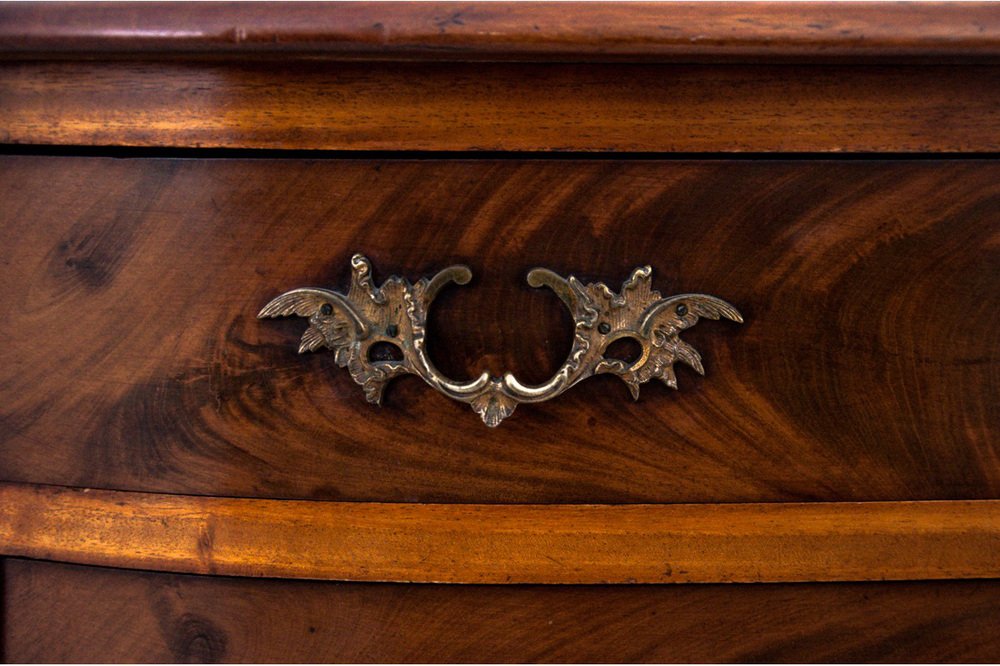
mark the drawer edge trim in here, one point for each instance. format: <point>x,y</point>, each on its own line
<point>472,543</point>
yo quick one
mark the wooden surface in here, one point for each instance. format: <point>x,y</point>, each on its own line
<point>503,106</point>
<point>68,613</point>
<point>469,543</point>
<point>867,369</point>
<point>448,31</point>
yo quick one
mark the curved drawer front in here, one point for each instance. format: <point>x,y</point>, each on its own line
<point>64,610</point>
<point>867,367</point>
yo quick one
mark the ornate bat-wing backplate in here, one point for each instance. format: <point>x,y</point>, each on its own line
<point>396,313</point>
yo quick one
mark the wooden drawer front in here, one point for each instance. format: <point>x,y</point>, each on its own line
<point>867,369</point>
<point>66,613</point>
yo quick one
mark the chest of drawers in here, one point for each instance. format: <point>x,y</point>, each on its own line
<point>180,484</point>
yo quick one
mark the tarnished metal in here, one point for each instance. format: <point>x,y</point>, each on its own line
<point>396,313</point>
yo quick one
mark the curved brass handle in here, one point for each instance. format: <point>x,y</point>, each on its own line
<point>396,313</point>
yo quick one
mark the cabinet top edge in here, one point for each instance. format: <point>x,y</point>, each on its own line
<point>519,31</point>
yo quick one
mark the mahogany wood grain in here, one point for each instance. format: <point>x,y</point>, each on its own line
<point>867,369</point>
<point>469,543</point>
<point>699,31</point>
<point>67,613</point>
<point>503,106</point>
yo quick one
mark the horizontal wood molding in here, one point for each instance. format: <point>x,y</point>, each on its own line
<point>503,106</point>
<point>503,543</point>
<point>689,31</point>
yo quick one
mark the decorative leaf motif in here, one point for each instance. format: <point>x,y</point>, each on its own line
<point>396,312</point>
<point>640,313</point>
<point>493,407</point>
<point>373,377</point>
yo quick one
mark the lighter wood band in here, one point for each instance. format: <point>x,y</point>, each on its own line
<point>501,107</point>
<point>463,543</point>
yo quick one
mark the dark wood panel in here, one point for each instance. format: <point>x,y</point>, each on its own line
<point>481,543</point>
<point>450,31</point>
<point>503,106</point>
<point>63,613</point>
<point>867,369</point>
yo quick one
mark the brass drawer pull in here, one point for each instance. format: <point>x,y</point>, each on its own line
<point>396,313</point>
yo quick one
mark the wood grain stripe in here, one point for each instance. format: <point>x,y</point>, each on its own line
<point>503,106</point>
<point>503,544</point>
